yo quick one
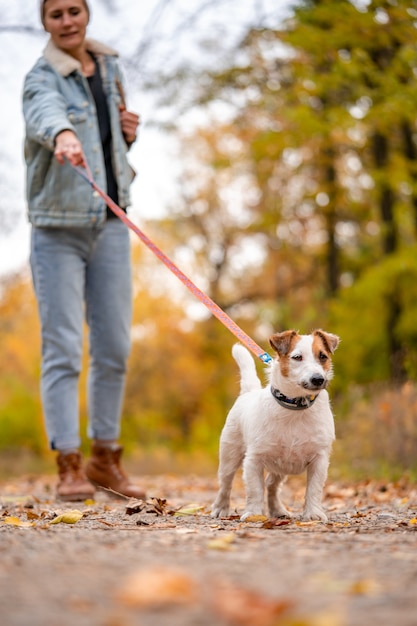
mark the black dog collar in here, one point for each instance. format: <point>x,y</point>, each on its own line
<point>295,404</point>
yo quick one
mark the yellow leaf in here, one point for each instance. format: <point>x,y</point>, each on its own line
<point>365,587</point>
<point>222,543</point>
<point>413,521</point>
<point>69,517</point>
<point>256,518</point>
<point>15,521</point>
<point>189,509</point>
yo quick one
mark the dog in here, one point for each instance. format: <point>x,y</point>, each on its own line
<point>286,427</point>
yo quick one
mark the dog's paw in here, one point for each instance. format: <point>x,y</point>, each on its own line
<point>314,513</point>
<point>219,512</point>
<point>281,512</point>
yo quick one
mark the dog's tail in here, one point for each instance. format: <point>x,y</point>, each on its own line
<point>249,380</point>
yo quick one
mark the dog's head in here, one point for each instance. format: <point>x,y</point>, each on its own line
<point>305,360</point>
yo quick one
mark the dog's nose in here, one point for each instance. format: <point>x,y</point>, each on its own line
<point>317,380</point>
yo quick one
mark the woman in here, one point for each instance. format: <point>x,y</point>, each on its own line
<point>80,257</point>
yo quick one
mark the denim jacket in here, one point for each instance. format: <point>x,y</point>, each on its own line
<point>57,97</point>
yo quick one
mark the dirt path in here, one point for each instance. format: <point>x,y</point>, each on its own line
<point>167,565</point>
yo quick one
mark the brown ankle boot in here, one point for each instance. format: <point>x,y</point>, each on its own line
<point>73,484</point>
<point>103,469</point>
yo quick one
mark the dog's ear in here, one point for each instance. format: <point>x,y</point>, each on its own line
<point>330,341</point>
<point>281,342</point>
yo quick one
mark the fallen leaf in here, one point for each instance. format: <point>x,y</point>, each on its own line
<point>189,509</point>
<point>275,523</point>
<point>157,587</point>
<point>244,607</point>
<point>15,521</point>
<point>413,521</point>
<point>365,587</point>
<point>311,523</point>
<point>223,542</point>
<point>157,505</point>
<point>153,505</point>
<point>135,506</point>
<point>69,517</point>
<point>31,515</point>
<point>256,518</point>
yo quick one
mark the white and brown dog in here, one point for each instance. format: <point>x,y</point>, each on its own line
<point>284,428</point>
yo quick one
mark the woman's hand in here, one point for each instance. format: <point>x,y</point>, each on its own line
<point>129,123</point>
<point>68,146</point>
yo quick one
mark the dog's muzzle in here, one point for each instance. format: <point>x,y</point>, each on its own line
<point>315,383</point>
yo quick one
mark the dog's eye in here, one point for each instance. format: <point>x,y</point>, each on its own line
<point>297,357</point>
<point>323,357</point>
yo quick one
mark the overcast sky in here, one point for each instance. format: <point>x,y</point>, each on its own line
<point>166,32</point>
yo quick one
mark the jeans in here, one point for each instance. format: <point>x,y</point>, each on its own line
<point>77,272</point>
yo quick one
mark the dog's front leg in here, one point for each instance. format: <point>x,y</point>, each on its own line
<point>316,477</point>
<point>273,487</point>
<point>253,476</point>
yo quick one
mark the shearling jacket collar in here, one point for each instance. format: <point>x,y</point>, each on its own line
<point>64,63</point>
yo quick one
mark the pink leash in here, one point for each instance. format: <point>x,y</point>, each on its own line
<point>208,302</point>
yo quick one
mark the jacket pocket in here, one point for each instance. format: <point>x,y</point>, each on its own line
<point>76,115</point>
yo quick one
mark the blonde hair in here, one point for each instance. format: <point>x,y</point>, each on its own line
<point>42,7</point>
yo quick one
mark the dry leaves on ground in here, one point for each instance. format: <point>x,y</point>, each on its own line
<point>171,540</point>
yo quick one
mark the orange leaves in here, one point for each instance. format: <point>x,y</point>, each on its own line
<point>276,523</point>
<point>244,607</point>
<point>256,518</point>
<point>157,587</point>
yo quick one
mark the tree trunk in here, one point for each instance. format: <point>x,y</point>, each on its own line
<point>397,353</point>
<point>390,245</point>
<point>411,154</point>
<point>386,195</point>
<point>332,247</point>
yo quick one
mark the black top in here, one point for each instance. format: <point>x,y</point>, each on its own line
<point>103,117</point>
